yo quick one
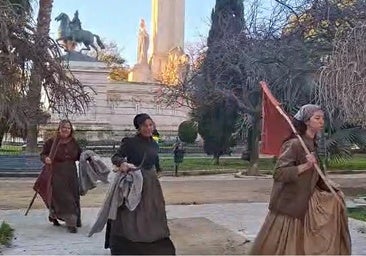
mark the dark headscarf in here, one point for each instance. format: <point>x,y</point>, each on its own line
<point>140,119</point>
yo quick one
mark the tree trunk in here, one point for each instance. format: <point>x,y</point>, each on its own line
<point>216,159</point>
<point>34,98</point>
<point>1,138</point>
<point>44,17</point>
<point>324,152</point>
<point>34,95</point>
<point>253,169</point>
<point>3,129</point>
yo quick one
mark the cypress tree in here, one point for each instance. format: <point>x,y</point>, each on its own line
<point>227,19</point>
<point>217,115</point>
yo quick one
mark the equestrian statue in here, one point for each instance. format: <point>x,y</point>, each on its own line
<point>70,33</point>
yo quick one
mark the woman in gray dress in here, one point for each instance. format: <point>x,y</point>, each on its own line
<point>144,230</point>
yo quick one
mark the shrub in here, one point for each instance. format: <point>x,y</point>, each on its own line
<point>6,234</point>
<point>187,131</point>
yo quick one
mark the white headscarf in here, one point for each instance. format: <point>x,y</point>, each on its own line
<point>306,112</point>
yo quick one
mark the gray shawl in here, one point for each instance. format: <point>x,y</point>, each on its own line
<point>91,169</point>
<point>125,189</point>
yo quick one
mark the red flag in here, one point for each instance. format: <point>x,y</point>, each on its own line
<point>275,128</point>
<point>43,185</point>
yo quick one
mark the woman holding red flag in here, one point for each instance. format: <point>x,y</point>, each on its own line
<point>59,154</point>
<point>304,217</point>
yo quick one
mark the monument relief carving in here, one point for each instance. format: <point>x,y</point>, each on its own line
<point>113,99</point>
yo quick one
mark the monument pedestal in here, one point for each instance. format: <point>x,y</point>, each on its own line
<point>140,73</point>
<point>115,103</point>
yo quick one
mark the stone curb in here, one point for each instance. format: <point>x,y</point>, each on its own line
<point>19,174</point>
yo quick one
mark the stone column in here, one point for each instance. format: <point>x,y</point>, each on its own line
<point>167,31</point>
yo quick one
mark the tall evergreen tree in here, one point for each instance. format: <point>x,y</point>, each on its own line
<point>216,125</point>
<point>216,116</point>
<point>227,19</point>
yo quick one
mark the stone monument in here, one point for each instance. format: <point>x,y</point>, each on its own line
<point>141,71</point>
<point>115,103</point>
<point>167,21</point>
<point>168,63</point>
<point>176,68</point>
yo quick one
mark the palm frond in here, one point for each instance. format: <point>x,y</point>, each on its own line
<point>340,143</point>
<point>242,126</point>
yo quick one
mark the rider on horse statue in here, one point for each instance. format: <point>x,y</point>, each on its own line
<point>70,33</point>
<point>75,24</point>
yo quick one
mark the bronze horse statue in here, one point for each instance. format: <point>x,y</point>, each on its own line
<point>68,31</point>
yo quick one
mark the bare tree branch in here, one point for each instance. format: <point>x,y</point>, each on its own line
<point>21,49</point>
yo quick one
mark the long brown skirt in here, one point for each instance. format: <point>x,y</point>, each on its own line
<point>323,231</point>
<point>65,203</point>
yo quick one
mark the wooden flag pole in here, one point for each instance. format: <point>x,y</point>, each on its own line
<point>317,168</point>
<point>31,203</point>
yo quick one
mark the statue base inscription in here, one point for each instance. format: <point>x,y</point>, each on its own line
<point>140,73</point>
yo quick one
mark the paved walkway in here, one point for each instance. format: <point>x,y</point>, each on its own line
<point>33,235</point>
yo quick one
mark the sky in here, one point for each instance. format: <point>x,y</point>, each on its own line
<point>118,20</point>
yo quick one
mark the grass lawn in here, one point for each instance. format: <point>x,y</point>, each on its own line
<point>356,163</point>
<point>357,213</point>
<point>202,162</point>
<point>8,149</point>
<point>206,163</point>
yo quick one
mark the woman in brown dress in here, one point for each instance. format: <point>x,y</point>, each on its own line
<point>304,217</point>
<point>145,229</point>
<point>61,152</point>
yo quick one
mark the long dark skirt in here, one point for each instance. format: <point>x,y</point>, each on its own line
<point>144,230</point>
<point>65,203</point>
<point>121,246</point>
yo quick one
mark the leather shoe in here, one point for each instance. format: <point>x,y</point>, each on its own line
<point>72,229</point>
<point>78,223</point>
<point>54,221</point>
